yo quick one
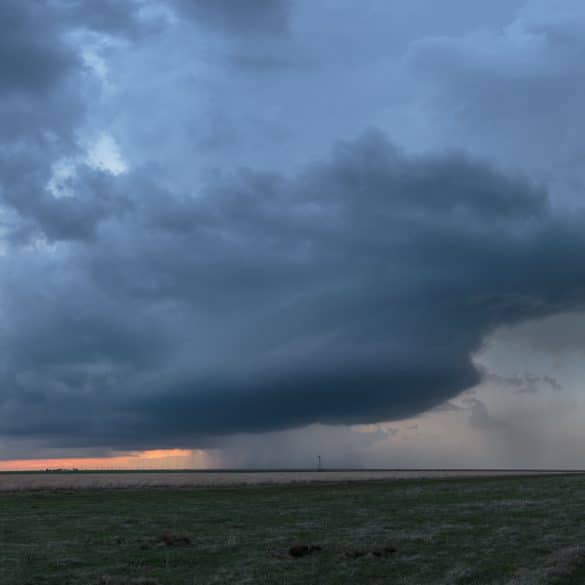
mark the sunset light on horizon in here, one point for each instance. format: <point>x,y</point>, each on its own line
<point>167,459</point>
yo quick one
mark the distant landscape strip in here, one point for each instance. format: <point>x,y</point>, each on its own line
<point>83,480</point>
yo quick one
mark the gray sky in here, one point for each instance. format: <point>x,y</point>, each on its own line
<point>281,226</point>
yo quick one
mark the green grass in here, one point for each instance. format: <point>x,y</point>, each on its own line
<point>477,531</point>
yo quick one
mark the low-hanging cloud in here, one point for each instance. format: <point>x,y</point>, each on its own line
<point>356,291</point>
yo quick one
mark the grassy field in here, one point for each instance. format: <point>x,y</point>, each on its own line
<point>498,530</point>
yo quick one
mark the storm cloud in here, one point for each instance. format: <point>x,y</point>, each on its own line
<point>249,271</point>
<point>357,291</point>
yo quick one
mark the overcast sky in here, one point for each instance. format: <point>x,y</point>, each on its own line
<point>265,229</point>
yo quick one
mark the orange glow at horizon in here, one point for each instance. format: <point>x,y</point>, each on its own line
<point>153,459</point>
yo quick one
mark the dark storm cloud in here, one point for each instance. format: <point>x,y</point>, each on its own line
<point>245,17</point>
<point>106,16</point>
<point>41,214</point>
<point>41,107</point>
<point>357,291</point>
<point>32,57</point>
<point>151,310</point>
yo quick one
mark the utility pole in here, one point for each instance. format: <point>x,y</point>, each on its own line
<point>319,463</point>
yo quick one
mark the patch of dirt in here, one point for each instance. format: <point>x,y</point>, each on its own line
<point>174,540</point>
<point>300,549</point>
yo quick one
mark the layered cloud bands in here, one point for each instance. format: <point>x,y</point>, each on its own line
<point>356,291</point>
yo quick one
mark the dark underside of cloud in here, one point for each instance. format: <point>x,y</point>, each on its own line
<point>134,314</point>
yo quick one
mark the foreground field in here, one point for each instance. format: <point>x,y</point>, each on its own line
<point>526,530</point>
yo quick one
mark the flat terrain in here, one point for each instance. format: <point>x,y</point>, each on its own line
<point>138,479</point>
<point>521,530</point>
